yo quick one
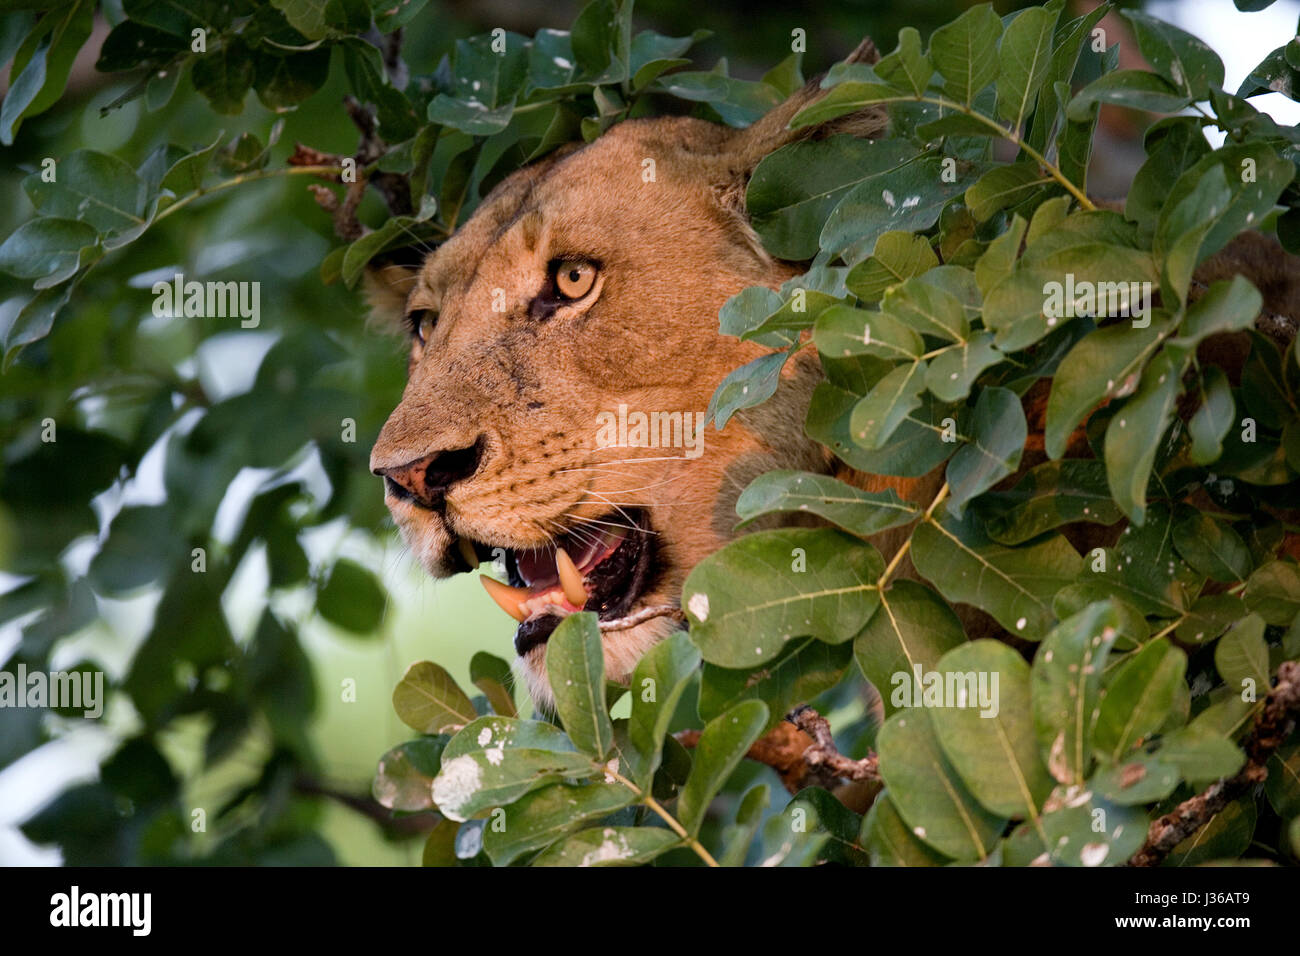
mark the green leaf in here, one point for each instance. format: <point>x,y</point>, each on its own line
<point>1228,306</point>
<point>1015,585</point>
<point>999,259</point>
<point>224,76</point>
<point>878,415</point>
<point>404,779</point>
<point>1024,55</point>
<point>1003,186</point>
<point>842,331</point>
<point>1137,89</point>
<point>863,513</point>
<point>40,67</point>
<point>1107,363</point>
<point>609,846</point>
<point>494,761</point>
<point>493,677</point>
<point>804,669</point>
<point>891,842</point>
<point>965,52</point>
<point>897,256</point>
<point>1256,175</point>
<point>538,819</point>
<point>1133,435</point>
<point>926,305</point>
<point>1283,782</point>
<point>306,16</point>
<point>928,793</point>
<point>428,700</point>
<point>186,174</point>
<point>913,629</point>
<point>1273,592</point>
<point>1182,59</point>
<point>996,756</point>
<point>720,748</point>
<point>907,197</point>
<point>751,384</point>
<point>1210,547</point>
<point>1241,658</point>
<point>1138,780</point>
<point>1085,829</point>
<point>283,82</point>
<point>1048,496</point>
<point>1066,677</point>
<point>1138,699</point>
<point>46,247</point>
<point>660,678</point>
<point>94,187</point>
<point>575,667</point>
<point>1213,418</point>
<point>951,373</point>
<point>997,439</point>
<point>821,813</point>
<point>906,67</point>
<point>1210,616</point>
<point>1173,145</point>
<point>352,598</point>
<point>1144,570</point>
<point>749,815</point>
<point>747,600</point>
<point>913,450</point>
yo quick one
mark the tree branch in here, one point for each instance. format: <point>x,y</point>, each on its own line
<point>1273,724</point>
<point>416,823</point>
<point>803,753</point>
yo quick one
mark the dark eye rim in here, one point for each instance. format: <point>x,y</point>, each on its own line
<point>553,270</point>
<point>413,320</point>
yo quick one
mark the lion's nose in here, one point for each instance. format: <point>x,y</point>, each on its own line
<point>427,480</point>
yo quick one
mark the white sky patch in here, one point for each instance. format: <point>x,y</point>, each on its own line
<point>1242,40</point>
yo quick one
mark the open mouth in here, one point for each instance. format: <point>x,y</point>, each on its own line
<point>602,570</point>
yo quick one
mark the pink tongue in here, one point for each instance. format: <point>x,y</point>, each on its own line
<point>537,565</point>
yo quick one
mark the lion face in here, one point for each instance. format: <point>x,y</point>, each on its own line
<point>564,348</point>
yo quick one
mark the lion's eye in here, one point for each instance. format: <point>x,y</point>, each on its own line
<point>573,280</point>
<point>422,322</point>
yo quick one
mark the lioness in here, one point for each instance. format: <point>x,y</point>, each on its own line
<point>579,286</point>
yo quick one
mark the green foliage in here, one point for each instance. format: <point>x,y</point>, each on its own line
<point>944,284</point>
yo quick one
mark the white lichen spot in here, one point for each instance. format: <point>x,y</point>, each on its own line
<point>699,606</point>
<point>888,197</point>
<point>1020,624</point>
<point>485,736</point>
<point>613,846</point>
<point>1093,854</point>
<point>495,755</point>
<point>455,785</point>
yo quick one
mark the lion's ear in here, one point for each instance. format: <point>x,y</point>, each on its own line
<point>770,133</point>
<point>386,284</point>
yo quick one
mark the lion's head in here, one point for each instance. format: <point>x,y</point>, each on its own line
<point>578,303</point>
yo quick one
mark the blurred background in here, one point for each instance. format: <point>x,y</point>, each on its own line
<point>202,431</point>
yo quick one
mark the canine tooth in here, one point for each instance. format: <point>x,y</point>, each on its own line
<point>467,552</point>
<point>507,598</point>
<point>570,578</point>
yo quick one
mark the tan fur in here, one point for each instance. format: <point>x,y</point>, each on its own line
<point>671,252</point>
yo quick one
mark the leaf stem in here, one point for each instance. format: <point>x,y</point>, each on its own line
<point>907,545</point>
<point>664,815</point>
<point>246,178</point>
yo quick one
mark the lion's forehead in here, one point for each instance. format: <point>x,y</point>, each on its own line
<point>588,200</point>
